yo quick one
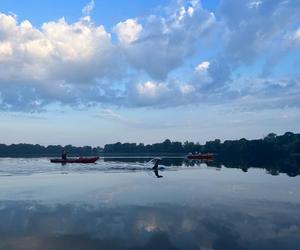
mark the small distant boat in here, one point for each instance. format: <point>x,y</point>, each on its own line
<point>200,156</point>
<point>75,160</point>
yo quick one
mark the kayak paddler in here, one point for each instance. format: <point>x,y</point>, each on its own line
<point>64,154</point>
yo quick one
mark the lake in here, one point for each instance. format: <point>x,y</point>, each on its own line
<point>120,203</point>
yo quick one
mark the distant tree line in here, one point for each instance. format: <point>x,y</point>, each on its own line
<point>269,146</point>
<point>30,150</point>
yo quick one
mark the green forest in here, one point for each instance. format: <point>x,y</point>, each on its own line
<point>270,146</point>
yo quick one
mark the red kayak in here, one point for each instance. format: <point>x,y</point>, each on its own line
<point>76,160</point>
<point>207,156</point>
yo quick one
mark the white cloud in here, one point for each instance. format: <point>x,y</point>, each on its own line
<point>54,57</point>
<point>161,94</point>
<point>128,31</point>
<point>5,50</point>
<point>88,8</point>
<point>150,89</point>
<point>186,89</point>
<point>78,41</point>
<point>201,78</point>
<point>254,4</point>
<point>297,34</point>
<point>52,63</point>
<point>58,45</point>
<point>202,66</point>
<point>79,64</point>
<point>166,42</point>
<point>149,93</point>
<point>8,26</point>
<point>295,37</point>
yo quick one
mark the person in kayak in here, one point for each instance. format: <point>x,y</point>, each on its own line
<point>64,154</point>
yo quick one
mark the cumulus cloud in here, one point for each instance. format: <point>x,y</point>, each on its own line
<point>201,78</point>
<point>160,94</point>
<point>252,31</point>
<point>88,8</point>
<point>52,60</point>
<point>163,43</point>
<point>128,31</point>
<point>80,64</point>
<point>5,50</point>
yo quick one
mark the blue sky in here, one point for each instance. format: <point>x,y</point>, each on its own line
<point>91,73</point>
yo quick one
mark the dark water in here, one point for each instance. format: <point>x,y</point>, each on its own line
<point>121,204</point>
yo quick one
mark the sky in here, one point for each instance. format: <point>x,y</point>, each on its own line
<point>98,72</point>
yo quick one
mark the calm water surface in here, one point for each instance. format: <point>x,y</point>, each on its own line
<point>121,204</point>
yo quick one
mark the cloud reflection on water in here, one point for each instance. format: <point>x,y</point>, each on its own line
<point>241,225</point>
